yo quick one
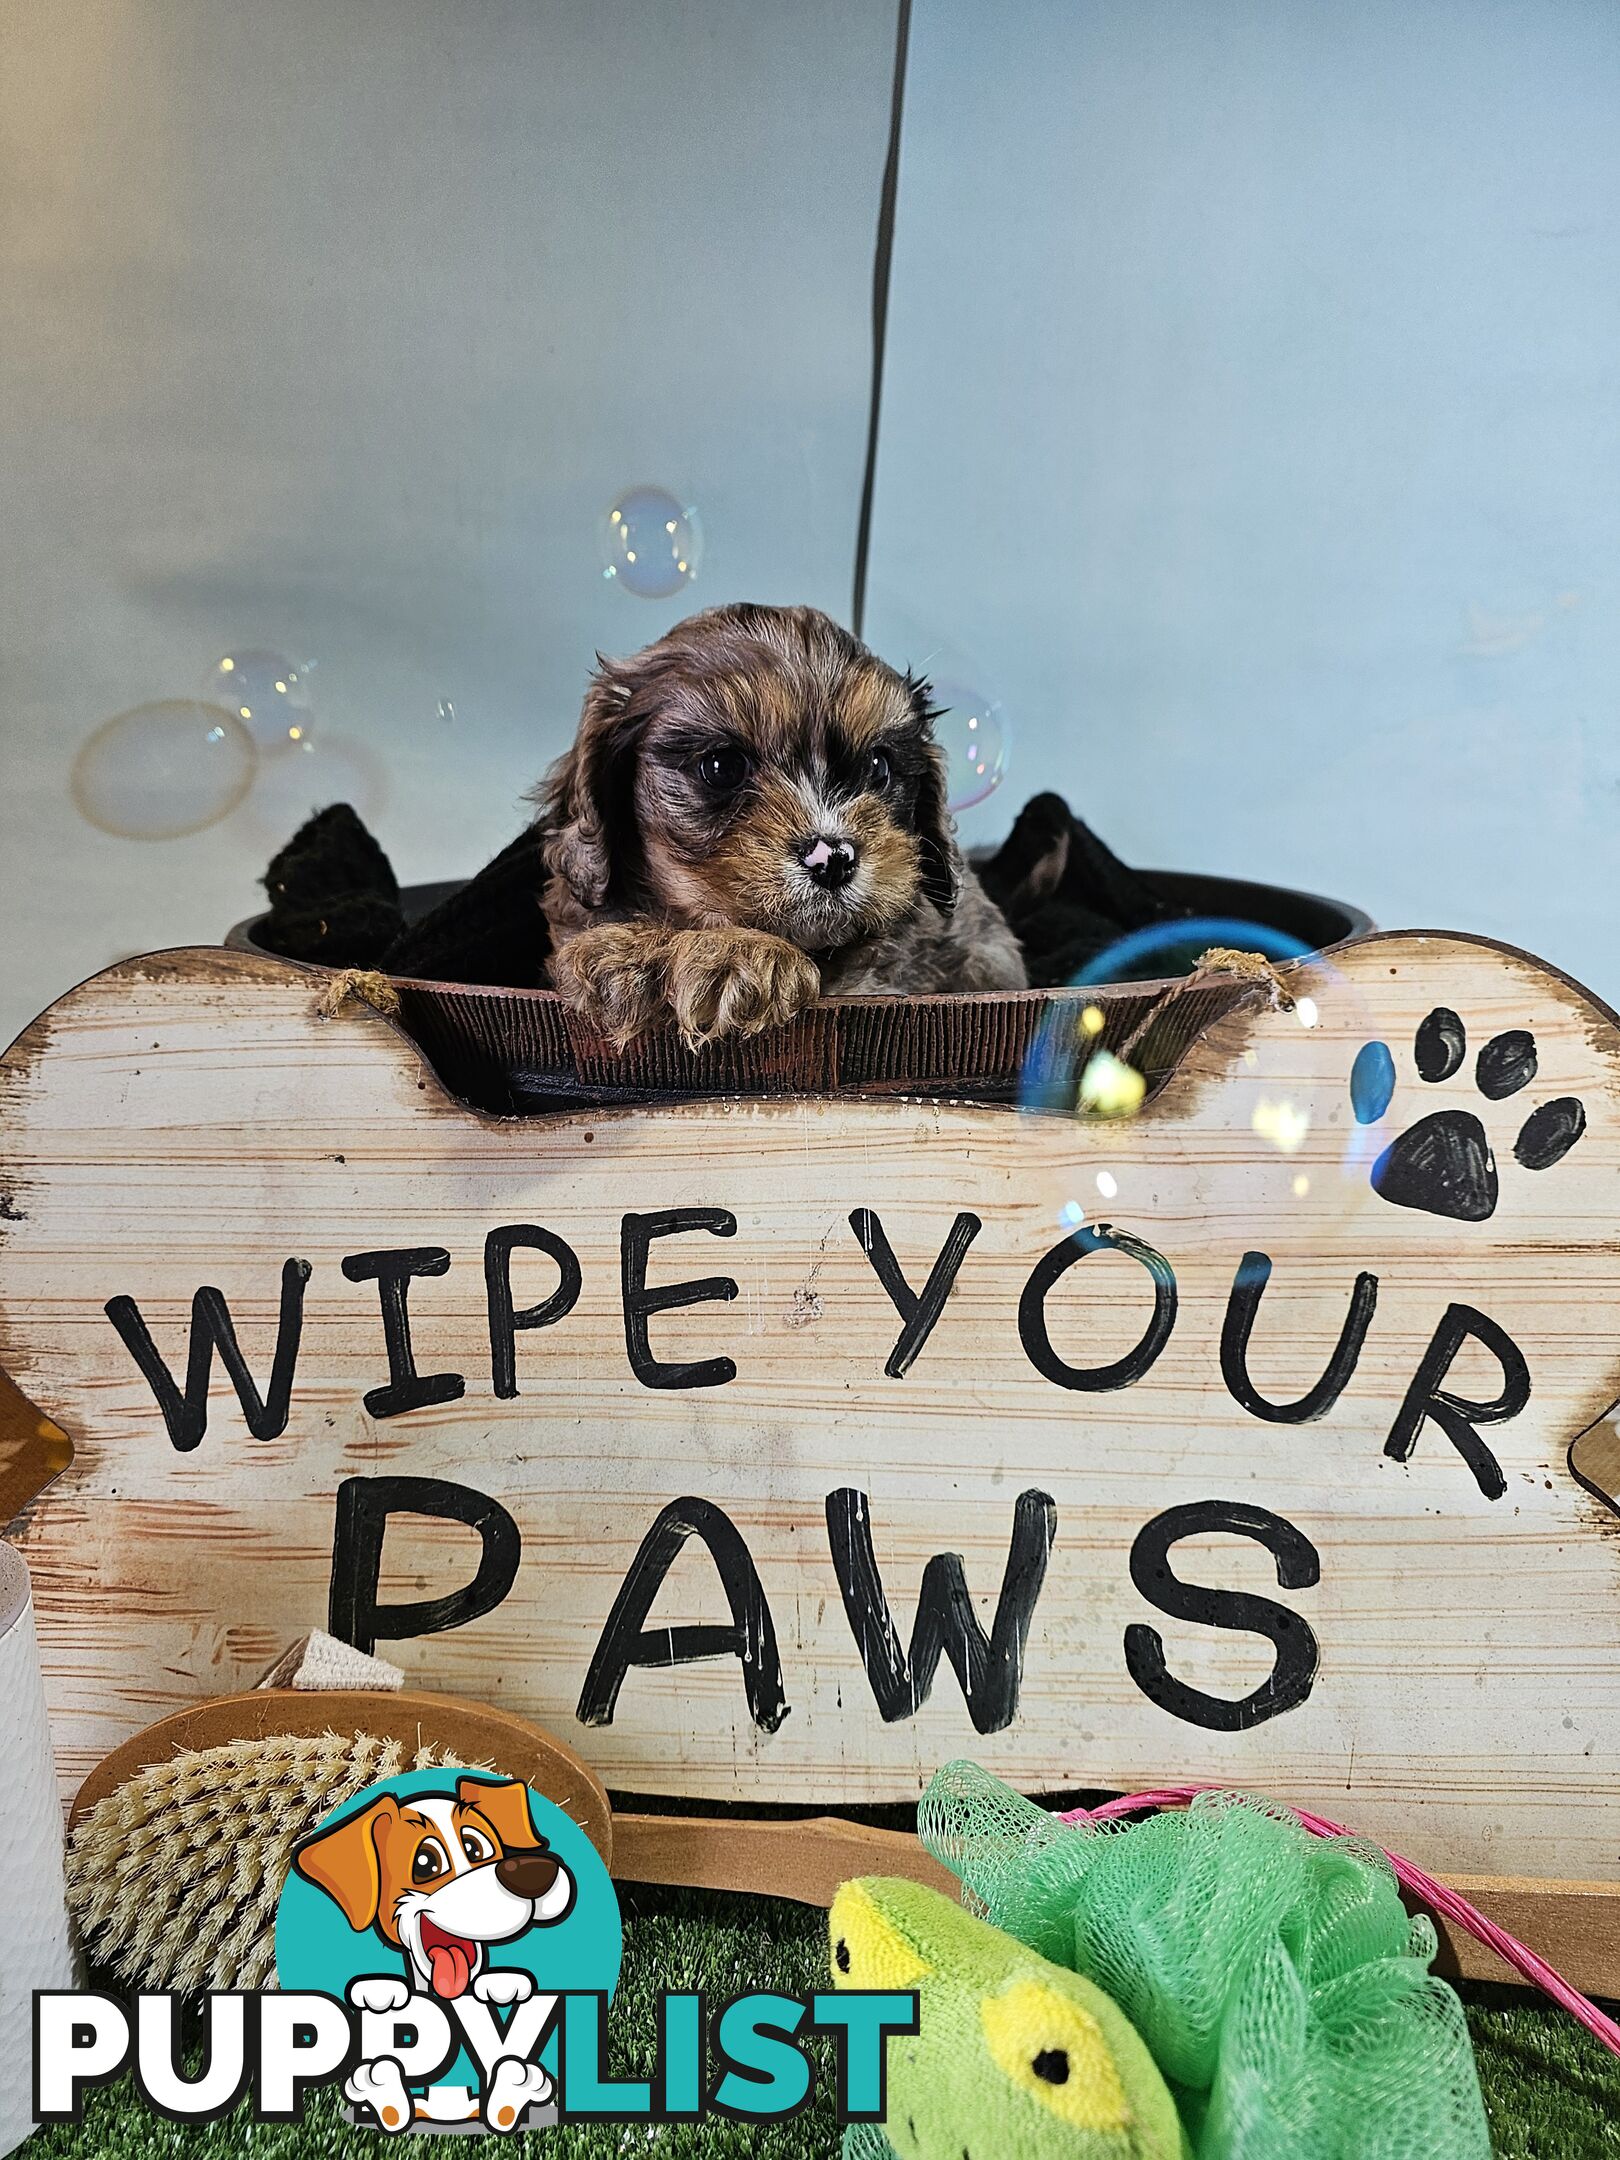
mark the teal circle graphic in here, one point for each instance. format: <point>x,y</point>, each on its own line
<point>318,1950</point>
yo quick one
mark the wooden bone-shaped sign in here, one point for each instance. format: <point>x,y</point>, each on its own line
<point>782,1449</point>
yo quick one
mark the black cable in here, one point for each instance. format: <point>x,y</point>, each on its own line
<point>882,258</point>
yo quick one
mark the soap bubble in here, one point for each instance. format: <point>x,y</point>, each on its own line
<point>973,733</point>
<point>1175,947</point>
<point>161,770</point>
<point>651,544</point>
<point>266,692</point>
<point>310,775</point>
<point>1304,1130</point>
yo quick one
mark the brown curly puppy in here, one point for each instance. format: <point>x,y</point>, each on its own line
<point>753,813</point>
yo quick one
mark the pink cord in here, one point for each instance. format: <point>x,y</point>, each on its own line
<point>1427,1890</point>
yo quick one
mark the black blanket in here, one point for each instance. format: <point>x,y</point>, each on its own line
<point>334,899</point>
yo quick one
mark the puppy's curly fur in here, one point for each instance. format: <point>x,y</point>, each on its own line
<point>754,813</point>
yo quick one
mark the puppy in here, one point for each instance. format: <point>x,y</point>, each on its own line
<point>753,814</point>
<point>439,1877</point>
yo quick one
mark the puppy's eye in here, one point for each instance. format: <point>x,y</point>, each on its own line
<point>477,1847</point>
<point>429,1861</point>
<point>723,770</point>
<point>879,771</point>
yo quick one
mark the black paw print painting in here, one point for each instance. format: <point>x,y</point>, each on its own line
<point>1443,1163</point>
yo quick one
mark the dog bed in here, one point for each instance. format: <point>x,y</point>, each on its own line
<point>464,959</point>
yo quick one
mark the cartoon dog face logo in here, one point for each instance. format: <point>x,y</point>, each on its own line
<point>440,1875</point>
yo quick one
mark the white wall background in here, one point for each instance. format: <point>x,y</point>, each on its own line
<point>334,326</point>
<point>1252,419</point>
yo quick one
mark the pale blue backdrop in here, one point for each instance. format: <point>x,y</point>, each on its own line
<point>1253,418</point>
<point>334,326</point>
<point>1251,424</point>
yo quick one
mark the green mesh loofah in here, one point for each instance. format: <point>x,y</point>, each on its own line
<point>1276,1977</point>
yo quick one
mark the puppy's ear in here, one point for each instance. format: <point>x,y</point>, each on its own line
<point>505,1807</point>
<point>940,859</point>
<point>586,795</point>
<point>344,1861</point>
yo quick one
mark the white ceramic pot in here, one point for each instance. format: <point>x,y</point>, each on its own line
<point>38,1949</point>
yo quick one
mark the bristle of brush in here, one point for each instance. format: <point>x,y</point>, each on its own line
<point>174,1876</point>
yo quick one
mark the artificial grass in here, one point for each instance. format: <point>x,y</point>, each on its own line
<point>1551,2092</point>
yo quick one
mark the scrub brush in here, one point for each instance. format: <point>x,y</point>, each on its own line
<point>173,1878</point>
<point>180,1842</point>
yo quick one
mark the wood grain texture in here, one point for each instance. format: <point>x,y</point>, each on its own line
<point>187,1120</point>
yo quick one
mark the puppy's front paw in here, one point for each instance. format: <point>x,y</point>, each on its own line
<point>735,982</point>
<point>514,2087</point>
<point>613,977</point>
<point>380,2087</point>
<point>503,1984</point>
<point>378,1992</point>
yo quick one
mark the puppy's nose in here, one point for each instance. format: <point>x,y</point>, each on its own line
<point>831,863</point>
<point>526,1873</point>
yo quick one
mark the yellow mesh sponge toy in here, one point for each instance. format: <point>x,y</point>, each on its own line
<point>1014,2057</point>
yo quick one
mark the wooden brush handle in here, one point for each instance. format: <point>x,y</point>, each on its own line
<point>805,1860</point>
<point>1574,1925</point>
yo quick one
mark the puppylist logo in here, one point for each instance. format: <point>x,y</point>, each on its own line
<point>456,1908</point>
<point>447,1946</point>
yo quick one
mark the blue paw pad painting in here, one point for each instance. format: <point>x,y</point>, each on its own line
<point>1444,1163</point>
